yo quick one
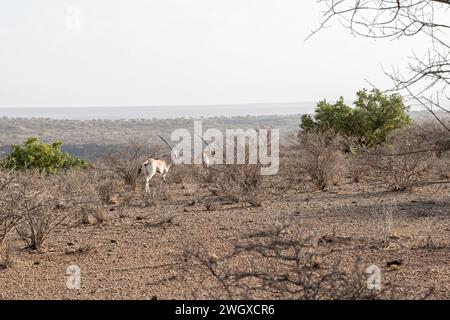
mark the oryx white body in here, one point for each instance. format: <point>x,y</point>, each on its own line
<point>206,159</point>
<point>163,164</point>
<point>160,165</point>
<point>152,166</point>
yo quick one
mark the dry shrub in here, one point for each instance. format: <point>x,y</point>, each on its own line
<point>127,199</point>
<point>9,216</point>
<point>234,183</point>
<point>384,219</point>
<point>6,257</point>
<point>430,230</point>
<point>288,179</point>
<point>206,176</point>
<point>434,136</point>
<point>76,188</point>
<point>279,264</point>
<point>356,169</point>
<point>34,204</point>
<point>442,156</point>
<point>159,191</point>
<point>443,167</point>
<point>182,173</point>
<point>321,157</point>
<point>92,215</point>
<point>125,161</point>
<point>41,203</point>
<point>397,173</point>
<point>242,180</point>
<point>415,156</point>
<point>400,164</point>
<point>107,189</point>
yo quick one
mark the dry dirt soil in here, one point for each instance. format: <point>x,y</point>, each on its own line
<point>137,252</point>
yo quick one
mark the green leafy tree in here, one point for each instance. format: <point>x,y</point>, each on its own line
<point>41,156</point>
<point>372,118</point>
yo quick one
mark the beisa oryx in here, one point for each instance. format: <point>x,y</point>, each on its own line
<point>206,155</point>
<point>161,165</point>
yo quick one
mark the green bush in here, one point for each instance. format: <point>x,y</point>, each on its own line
<point>373,117</point>
<point>41,156</point>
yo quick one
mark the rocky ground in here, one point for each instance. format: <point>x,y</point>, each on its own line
<point>137,252</point>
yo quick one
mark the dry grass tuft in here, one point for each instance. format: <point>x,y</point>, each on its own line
<point>384,219</point>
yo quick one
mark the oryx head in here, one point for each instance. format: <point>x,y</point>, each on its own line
<point>212,152</point>
<point>173,152</point>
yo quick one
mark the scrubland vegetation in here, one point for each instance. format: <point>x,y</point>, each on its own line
<point>89,139</point>
<point>342,201</point>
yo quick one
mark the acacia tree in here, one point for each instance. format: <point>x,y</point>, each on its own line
<point>371,120</point>
<point>428,78</point>
<point>41,156</point>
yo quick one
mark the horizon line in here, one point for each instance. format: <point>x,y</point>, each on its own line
<point>156,105</point>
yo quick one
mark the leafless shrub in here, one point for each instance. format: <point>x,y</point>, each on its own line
<point>321,158</point>
<point>37,203</point>
<point>92,215</point>
<point>430,230</point>
<point>356,170</point>
<point>127,199</point>
<point>75,188</point>
<point>434,136</point>
<point>240,181</point>
<point>9,217</point>
<point>123,199</point>
<point>280,265</point>
<point>384,219</point>
<point>106,189</point>
<point>440,139</point>
<point>183,173</point>
<point>289,178</point>
<point>34,204</point>
<point>443,167</point>
<point>126,161</point>
<point>159,191</point>
<point>234,183</point>
<point>6,257</point>
<point>398,166</point>
<point>206,176</point>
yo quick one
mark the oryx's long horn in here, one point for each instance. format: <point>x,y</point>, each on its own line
<point>206,142</point>
<point>168,144</point>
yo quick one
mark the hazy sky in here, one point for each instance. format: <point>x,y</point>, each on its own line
<point>158,52</point>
